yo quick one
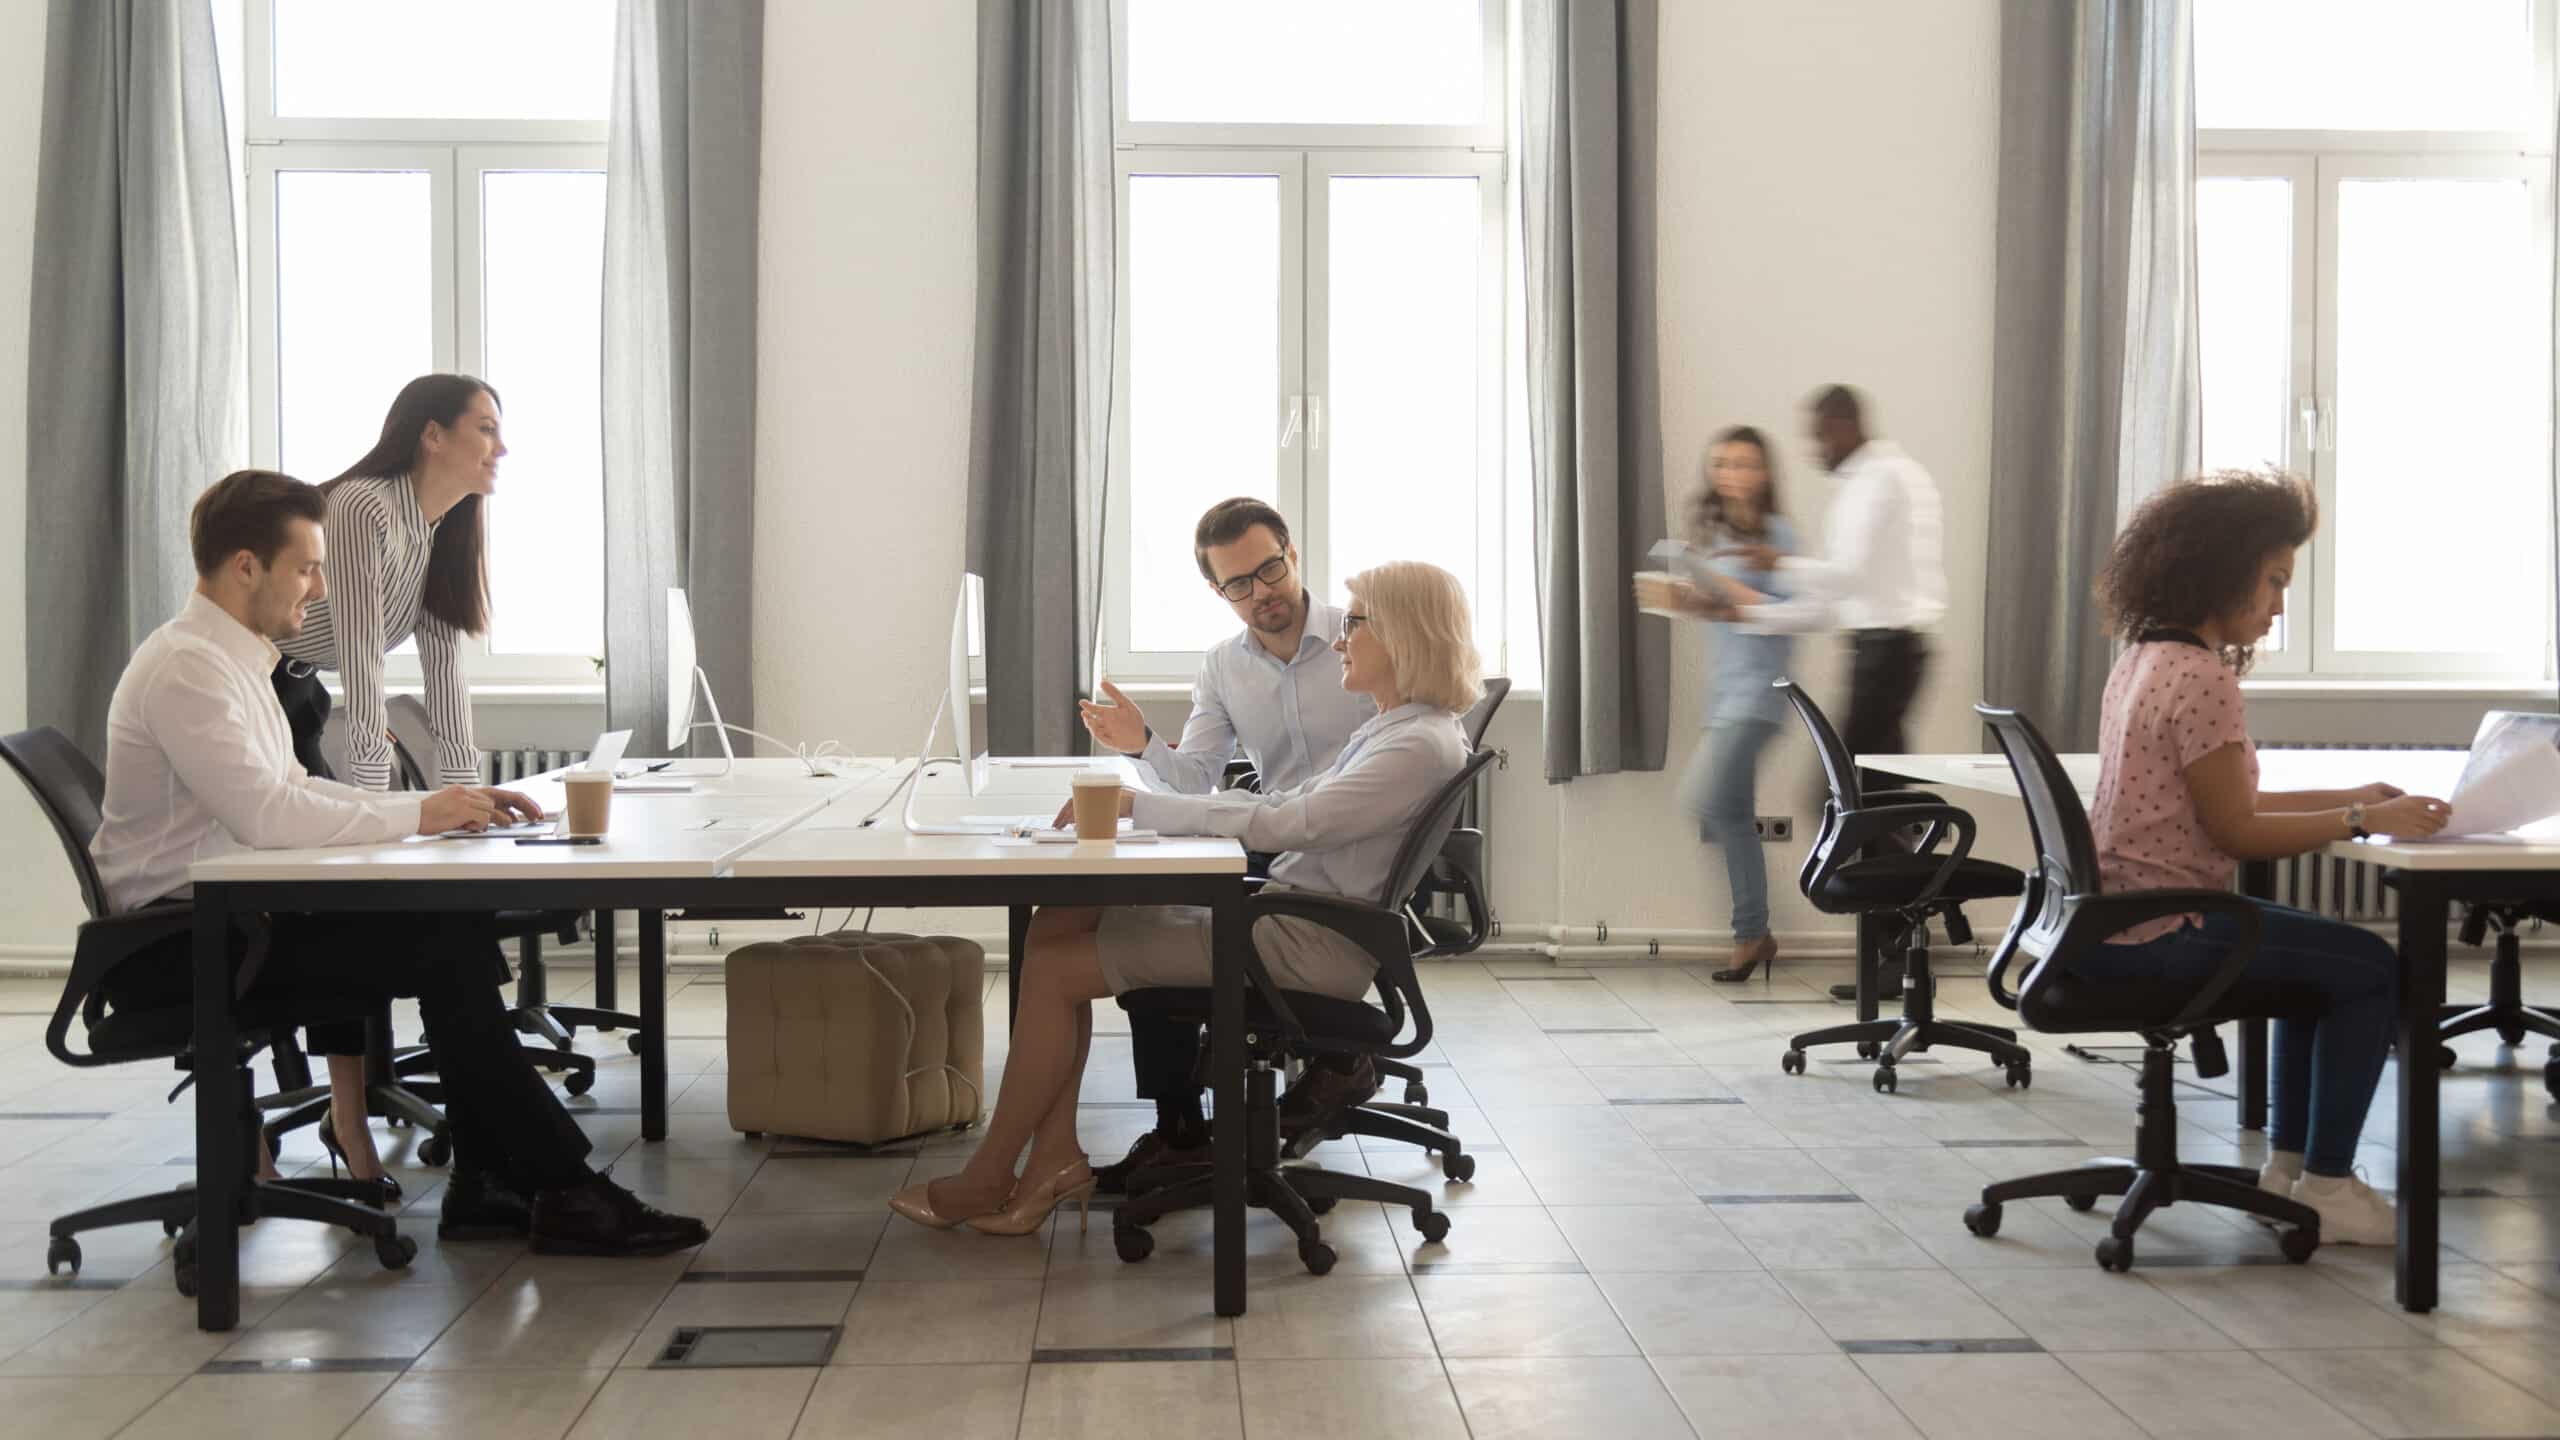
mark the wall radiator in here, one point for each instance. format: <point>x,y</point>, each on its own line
<point>2341,889</point>
<point>503,767</point>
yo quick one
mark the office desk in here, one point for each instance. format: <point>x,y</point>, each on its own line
<point>2431,876</point>
<point>766,835</point>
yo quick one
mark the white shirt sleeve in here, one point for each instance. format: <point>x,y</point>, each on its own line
<point>1208,743</point>
<point>1864,510</point>
<point>1374,794</point>
<point>194,715</point>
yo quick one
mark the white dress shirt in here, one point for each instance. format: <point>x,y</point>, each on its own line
<point>1292,718</point>
<point>379,544</point>
<point>200,764</point>
<point>1883,565</point>
<point>1339,831</point>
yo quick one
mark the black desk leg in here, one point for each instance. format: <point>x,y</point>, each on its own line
<point>2258,882</point>
<point>653,1025</point>
<point>608,979</point>
<point>1870,1005</point>
<point>221,1141</point>
<point>1229,934</point>
<point>2422,920</point>
<point>1017,927</point>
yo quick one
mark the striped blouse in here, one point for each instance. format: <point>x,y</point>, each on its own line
<point>379,542</point>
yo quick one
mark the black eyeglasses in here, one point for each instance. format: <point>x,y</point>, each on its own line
<point>1271,572</point>
<point>1351,622</point>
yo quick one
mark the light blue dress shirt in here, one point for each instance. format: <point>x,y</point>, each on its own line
<point>1742,662</point>
<point>1292,719</point>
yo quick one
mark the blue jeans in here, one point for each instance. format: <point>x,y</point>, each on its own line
<point>2335,990</point>
<point>1719,793</point>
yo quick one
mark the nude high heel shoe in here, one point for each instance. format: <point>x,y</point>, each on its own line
<point>1032,1204</point>
<point>916,1203</point>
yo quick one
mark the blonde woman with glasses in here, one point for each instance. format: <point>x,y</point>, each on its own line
<point>1405,643</point>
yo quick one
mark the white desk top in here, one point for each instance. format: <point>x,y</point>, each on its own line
<point>2420,772</point>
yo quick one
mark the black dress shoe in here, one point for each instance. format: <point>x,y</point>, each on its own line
<point>1153,1149</point>
<point>598,1217</point>
<point>1324,1092</point>
<point>477,1206</point>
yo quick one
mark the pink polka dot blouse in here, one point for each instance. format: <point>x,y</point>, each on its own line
<point>2167,705</point>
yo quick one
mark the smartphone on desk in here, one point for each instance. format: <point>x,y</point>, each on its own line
<point>561,840</point>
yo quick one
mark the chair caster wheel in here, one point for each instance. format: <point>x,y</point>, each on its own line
<point>1458,1167</point>
<point>1982,1220</point>
<point>394,1251</point>
<point>1869,1049</point>
<point>438,1150</point>
<point>63,1253</point>
<point>2445,1058</point>
<point>2021,1076</point>
<point>2082,1203</point>
<point>2116,1253</point>
<point>1134,1242</point>
<point>172,1227</point>
<point>185,1275</point>
<point>1417,1093</point>
<point>634,1044</point>
<point>2551,1079</point>
<point>1792,1062</point>
<point>2513,1038</point>
<point>1433,1225</point>
<point>1320,1204</point>
<point>1886,1081</point>
<point>1316,1255</point>
<point>579,1082</point>
<point>2298,1243</point>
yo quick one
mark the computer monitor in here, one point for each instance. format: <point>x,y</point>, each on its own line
<point>684,676</point>
<point>964,627</point>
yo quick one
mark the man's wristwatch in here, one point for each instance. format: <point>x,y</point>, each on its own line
<point>2355,821</point>
<point>1141,751</point>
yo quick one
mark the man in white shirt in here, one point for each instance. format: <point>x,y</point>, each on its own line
<point>1275,690</point>
<point>200,764</point>
<point>1882,577</point>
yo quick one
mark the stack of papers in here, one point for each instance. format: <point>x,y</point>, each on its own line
<point>2512,778</point>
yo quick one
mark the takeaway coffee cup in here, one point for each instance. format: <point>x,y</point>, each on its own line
<point>590,800</point>
<point>1097,805</point>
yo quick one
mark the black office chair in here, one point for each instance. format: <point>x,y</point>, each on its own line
<point>1847,873</point>
<point>1458,873</point>
<point>2065,916</point>
<point>70,791</point>
<point>2506,1013</point>
<point>1281,1022</point>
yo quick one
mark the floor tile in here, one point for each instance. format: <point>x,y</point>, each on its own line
<point>902,1322</point>
<point>485,1405</point>
<point>1734,1313</point>
<point>822,1186</point>
<point>915,1402</point>
<point>2527,1366</point>
<point>82,1407</point>
<point>257,1407</point>
<point>143,1329</point>
<point>328,1323</point>
<point>1160,1304</point>
<point>1494,1236</point>
<point>1405,1399</point>
<point>1321,1317</point>
<point>1963,1397</point>
<point>2086,1308</point>
<point>1650,1239</point>
<point>687,1404</point>
<point>2285,1308</point>
<point>2209,1395</point>
<point>2417,1392</point>
<point>1520,1316</point>
<point>1715,1174</point>
<point>537,1325</point>
<point>1896,1305</point>
<point>1704,1127</point>
<point>1532,1399</point>
<point>802,1303</point>
<point>1145,1400</point>
<point>1807,1395</point>
<point>919,1252</point>
<point>1822,1237</point>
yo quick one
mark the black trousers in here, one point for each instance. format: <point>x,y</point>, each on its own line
<point>1886,668</point>
<point>505,1119</point>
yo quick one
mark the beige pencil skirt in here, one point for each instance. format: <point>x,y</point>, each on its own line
<point>1145,946</point>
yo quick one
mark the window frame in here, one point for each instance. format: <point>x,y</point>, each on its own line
<point>2316,162</point>
<point>1307,157</point>
<point>455,154</point>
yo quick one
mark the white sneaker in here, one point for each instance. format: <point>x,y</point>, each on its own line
<point>2283,1167</point>
<point>2350,1212</point>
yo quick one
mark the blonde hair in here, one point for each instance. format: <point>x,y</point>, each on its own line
<point>1420,614</point>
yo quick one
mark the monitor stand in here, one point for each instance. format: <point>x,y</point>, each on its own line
<point>728,754</point>
<point>915,784</point>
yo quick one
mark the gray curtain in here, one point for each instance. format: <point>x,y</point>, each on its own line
<point>136,401</point>
<point>1595,377</point>
<point>1040,421</point>
<point>680,350</point>
<point>2094,398</point>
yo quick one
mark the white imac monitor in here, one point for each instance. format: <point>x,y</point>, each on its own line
<point>684,677</point>
<point>966,623</point>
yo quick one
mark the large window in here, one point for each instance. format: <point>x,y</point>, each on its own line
<point>2374,232</point>
<point>1312,239</point>
<point>426,192</point>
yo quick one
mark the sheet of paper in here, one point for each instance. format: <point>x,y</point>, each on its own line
<point>2513,777</point>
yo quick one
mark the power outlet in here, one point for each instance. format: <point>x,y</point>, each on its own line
<point>1775,827</point>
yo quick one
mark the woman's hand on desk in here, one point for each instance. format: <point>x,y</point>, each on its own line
<point>2411,816</point>
<point>2376,793</point>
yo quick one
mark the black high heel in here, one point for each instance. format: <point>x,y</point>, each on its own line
<point>1767,962</point>
<point>385,1182</point>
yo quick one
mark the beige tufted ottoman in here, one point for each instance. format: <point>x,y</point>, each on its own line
<point>855,1036</point>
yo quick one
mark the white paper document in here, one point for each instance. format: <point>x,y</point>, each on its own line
<point>2512,778</point>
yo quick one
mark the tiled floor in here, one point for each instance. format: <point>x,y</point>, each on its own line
<point>1666,1236</point>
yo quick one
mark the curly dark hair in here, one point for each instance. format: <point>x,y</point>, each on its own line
<point>2192,553</point>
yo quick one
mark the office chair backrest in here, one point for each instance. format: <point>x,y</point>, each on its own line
<point>71,792</point>
<point>1430,830</point>
<point>413,742</point>
<point>1479,717</point>
<point>1839,767</point>
<point>2066,848</point>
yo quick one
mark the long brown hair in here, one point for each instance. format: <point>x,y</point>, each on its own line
<point>2191,554</point>
<point>1707,518</point>
<point>457,588</point>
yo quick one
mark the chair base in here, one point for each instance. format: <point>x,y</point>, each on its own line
<point>1415,1092</point>
<point>1298,1194</point>
<point>2155,1179</point>
<point>1887,1041</point>
<point>2506,1013</point>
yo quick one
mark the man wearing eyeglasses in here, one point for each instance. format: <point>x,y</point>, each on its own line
<point>1275,691</point>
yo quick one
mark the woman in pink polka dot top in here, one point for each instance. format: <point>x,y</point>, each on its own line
<point>2196,580</point>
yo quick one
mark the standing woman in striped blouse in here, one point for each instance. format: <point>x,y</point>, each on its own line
<point>407,556</point>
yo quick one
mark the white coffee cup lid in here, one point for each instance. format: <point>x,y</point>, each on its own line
<point>1097,777</point>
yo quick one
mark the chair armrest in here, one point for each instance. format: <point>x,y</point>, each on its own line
<point>1936,831</point>
<point>1380,932</point>
<point>2030,905</point>
<point>104,944</point>
<point>2095,917</point>
<point>1864,826</point>
<point>1240,775</point>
